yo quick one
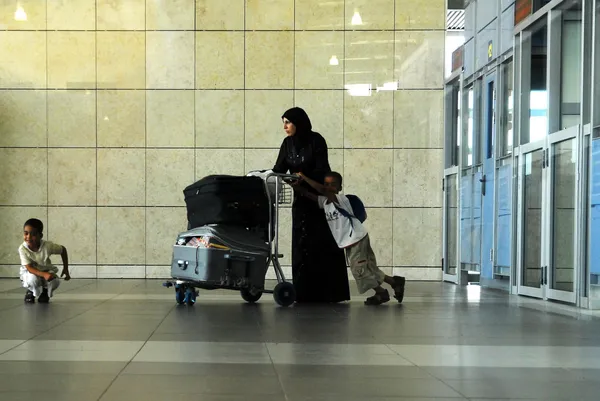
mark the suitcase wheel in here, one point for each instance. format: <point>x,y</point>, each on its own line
<point>249,297</point>
<point>284,294</point>
<point>180,294</point>
<point>190,296</point>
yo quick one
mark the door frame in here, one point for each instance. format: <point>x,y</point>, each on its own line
<point>546,145</point>
<point>488,133</point>
<point>522,152</point>
<point>583,249</point>
<point>454,106</point>
<point>452,278</point>
<point>558,295</point>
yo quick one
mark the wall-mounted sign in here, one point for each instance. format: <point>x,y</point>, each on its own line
<point>523,9</point>
<point>458,58</point>
<point>490,50</point>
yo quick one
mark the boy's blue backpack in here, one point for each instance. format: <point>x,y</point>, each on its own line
<point>358,209</point>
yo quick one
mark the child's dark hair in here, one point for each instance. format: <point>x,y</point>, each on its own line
<point>335,175</point>
<point>35,223</point>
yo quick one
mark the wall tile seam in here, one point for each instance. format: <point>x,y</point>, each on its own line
<point>104,206</point>
<point>164,264</point>
<point>166,148</point>
<point>196,148</point>
<point>295,89</point>
<point>417,29</point>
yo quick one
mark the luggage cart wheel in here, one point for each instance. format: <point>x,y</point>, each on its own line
<point>284,294</point>
<point>190,296</point>
<point>180,294</point>
<point>249,297</point>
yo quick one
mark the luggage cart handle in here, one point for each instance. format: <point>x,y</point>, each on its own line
<point>239,258</point>
<point>288,177</point>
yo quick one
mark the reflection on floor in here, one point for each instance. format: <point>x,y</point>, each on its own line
<point>127,340</point>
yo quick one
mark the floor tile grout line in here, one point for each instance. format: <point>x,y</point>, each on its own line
<point>285,396</point>
<point>137,352</point>
<point>401,356</point>
<point>66,291</point>
<point>452,387</point>
<point>430,374</point>
<point>59,324</point>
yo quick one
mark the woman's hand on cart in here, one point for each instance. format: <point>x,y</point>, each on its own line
<point>293,181</point>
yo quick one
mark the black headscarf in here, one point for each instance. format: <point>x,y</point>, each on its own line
<point>299,118</point>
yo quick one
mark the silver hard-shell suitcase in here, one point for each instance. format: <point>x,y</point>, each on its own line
<point>221,257</point>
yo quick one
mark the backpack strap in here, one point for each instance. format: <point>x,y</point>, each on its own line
<point>347,214</point>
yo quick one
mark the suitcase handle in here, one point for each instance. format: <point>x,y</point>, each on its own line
<point>183,264</point>
<point>239,258</point>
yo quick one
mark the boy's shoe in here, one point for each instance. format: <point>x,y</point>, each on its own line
<point>44,298</point>
<point>399,284</point>
<point>379,298</point>
<point>29,297</point>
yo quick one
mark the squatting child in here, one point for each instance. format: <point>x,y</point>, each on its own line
<point>38,274</point>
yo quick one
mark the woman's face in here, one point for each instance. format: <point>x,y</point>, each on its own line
<point>289,127</point>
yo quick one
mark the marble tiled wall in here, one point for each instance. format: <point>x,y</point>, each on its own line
<point>109,108</point>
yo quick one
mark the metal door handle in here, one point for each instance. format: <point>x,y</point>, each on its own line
<point>482,180</point>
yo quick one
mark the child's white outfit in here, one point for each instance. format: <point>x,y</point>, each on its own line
<point>41,261</point>
<point>354,238</point>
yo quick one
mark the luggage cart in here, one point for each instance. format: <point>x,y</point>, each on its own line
<point>230,266</point>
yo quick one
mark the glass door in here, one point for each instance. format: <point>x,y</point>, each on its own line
<point>562,171</point>
<point>531,189</point>
<point>452,132</point>
<point>548,210</point>
<point>450,265</point>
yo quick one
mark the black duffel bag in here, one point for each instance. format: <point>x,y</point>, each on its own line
<point>225,199</point>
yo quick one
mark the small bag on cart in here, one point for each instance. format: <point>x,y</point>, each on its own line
<point>225,199</point>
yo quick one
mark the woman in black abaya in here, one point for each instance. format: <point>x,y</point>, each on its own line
<point>318,264</point>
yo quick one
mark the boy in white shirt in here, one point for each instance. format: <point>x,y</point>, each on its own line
<point>353,237</point>
<point>38,274</point>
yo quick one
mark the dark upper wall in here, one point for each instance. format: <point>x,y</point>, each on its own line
<point>487,21</point>
<point>456,4</point>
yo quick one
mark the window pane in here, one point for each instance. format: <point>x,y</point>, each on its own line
<point>452,124</point>
<point>596,67</point>
<point>571,67</point>
<point>469,128</point>
<point>506,141</point>
<point>537,44</point>
<point>537,4</point>
<point>457,125</point>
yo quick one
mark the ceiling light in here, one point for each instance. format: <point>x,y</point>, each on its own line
<point>356,19</point>
<point>20,14</point>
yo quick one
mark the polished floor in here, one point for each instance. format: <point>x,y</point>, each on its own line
<point>123,340</point>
